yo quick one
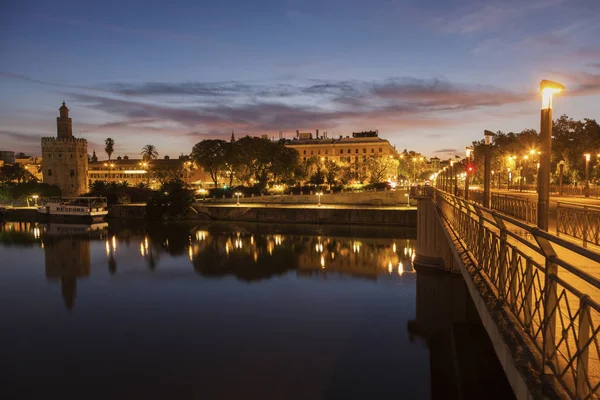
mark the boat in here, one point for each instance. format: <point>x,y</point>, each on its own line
<point>85,209</point>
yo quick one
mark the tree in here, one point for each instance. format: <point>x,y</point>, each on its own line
<point>109,147</point>
<point>149,152</point>
<point>332,171</point>
<point>168,171</point>
<point>211,154</point>
<point>171,202</point>
<point>381,168</point>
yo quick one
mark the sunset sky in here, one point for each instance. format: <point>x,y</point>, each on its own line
<point>430,75</point>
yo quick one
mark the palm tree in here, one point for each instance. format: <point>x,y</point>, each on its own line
<point>109,147</point>
<point>149,152</point>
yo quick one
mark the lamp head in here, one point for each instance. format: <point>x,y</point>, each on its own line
<point>587,156</point>
<point>488,136</point>
<point>548,89</point>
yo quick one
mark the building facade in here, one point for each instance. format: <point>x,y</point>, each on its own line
<point>151,173</point>
<point>64,158</point>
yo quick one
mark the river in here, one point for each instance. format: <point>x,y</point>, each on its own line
<point>219,311</point>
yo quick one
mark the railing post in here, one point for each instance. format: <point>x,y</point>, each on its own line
<point>480,237</point>
<point>550,305</point>
<point>527,296</point>
<point>585,226</point>
<point>583,345</point>
<point>503,254</point>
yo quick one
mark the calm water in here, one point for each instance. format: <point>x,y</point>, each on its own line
<point>219,311</point>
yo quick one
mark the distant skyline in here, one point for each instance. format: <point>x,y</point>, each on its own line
<point>430,75</point>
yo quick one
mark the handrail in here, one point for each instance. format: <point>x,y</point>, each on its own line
<point>545,292</point>
<point>579,221</point>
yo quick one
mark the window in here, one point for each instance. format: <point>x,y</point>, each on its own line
<point>341,151</point>
<point>372,150</point>
<point>380,149</point>
<point>356,151</point>
<point>319,152</point>
<point>312,152</point>
<point>326,152</point>
<point>72,173</point>
<point>348,151</point>
<point>59,155</point>
<point>49,172</point>
<point>71,155</point>
<point>364,158</point>
<point>304,152</point>
<point>364,151</point>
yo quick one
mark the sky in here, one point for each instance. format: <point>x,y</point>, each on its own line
<point>430,75</point>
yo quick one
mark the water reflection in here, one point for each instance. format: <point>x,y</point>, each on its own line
<point>244,252</point>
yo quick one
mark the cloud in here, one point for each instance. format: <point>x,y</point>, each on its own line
<point>480,16</point>
<point>588,52</point>
<point>446,151</point>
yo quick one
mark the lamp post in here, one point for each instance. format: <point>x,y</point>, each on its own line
<point>487,167</point>
<point>468,151</point>
<point>587,175</point>
<point>548,89</point>
<point>319,194</point>
<point>561,168</point>
<point>238,194</point>
<point>508,179</point>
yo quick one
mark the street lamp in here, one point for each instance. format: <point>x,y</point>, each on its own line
<point>587,174</point>
<point>35,197</point>
<point>319,194</point>
<point>468,151</point>
<point>561,168</point>
<point>453,182</point>
<point>487,167</point>
<point>548,89</point>
<point>238,194</point>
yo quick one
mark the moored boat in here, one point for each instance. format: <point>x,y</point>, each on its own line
<point>87,209</point>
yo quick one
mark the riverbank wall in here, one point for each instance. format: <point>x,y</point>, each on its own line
<point>404,217</point>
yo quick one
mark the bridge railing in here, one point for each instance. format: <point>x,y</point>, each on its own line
<point>547,296</point>
<point>579,221</point>
<point>518,207</point>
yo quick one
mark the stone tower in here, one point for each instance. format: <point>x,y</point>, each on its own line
<point>64,158</point>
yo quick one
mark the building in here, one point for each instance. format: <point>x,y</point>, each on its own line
<point>151,173</point>
<point>33,165</point>
<point>64,158</point>
<point>7,157</point>
<point>344,149</point>
<point>355,150</point>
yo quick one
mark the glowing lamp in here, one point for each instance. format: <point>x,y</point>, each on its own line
<point>548,89</point>
<point>587,157</point>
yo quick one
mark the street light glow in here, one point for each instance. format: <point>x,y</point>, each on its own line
<point>548,89</point>
<point>587,156</point>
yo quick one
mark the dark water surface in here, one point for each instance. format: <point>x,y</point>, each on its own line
<point>212,312</point>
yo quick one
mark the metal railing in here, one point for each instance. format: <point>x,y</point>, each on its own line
<point>579,221</point>
<point>519,207</point>
<point>545,294</point>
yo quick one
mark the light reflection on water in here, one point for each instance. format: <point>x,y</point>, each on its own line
<point>169,307</point>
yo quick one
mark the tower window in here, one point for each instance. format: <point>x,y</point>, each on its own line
<point>49,172</point>
<point>72,173</point>
<point>71,155</point>
<point>59,155</point>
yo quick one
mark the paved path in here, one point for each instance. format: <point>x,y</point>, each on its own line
<point>311,206</point>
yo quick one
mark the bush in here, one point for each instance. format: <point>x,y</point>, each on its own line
<point>172,202</point>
